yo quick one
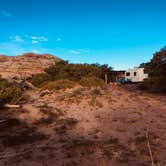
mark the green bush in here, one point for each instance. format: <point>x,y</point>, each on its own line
<point>73,72</point>
<point>39,79</point>
<point>156,69</point>
<point>10,94</point>
<point>156,84</point>
<point>65,70</point>
<point>3,83</point>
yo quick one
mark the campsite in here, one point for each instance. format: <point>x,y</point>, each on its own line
<point>82,83</point>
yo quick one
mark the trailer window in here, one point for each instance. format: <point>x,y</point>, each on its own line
<point>127,74</point>
<point>135,73</point>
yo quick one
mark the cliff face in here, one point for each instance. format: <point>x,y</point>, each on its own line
<point>25,65</point>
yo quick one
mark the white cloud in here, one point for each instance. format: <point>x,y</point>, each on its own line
<point>14,48</point>
<point>76,52</point>
<point>17,38</point>
<point>33,37</point>
<point>6,13</point>
<point>39,38</point>
<point>34,42</point>
<point>83,50</point>
<point>42,38</point>
<point>59,39</point>
<point>19,44</point>
<point>79,51</point>
<point>28,39</point>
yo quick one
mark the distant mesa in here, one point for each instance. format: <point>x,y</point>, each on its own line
<point>26,64</point>
<point>33,55</point>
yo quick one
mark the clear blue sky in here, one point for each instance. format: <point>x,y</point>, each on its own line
<point>121,33</point>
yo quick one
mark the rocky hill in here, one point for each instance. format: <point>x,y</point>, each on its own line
<point>25,65</point>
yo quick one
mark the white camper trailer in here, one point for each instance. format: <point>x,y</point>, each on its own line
<point>135,75</point>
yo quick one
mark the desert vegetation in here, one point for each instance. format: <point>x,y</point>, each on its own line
<point>9,92</point>
<point>69,116</point>
<point>66,75</point>
<point>156,69</point>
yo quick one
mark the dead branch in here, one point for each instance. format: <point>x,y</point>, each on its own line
<point>2,121</point>
<point>11,106</point>
<point>149,147</point>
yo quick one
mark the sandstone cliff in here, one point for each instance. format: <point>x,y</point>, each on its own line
<point>25,65</point>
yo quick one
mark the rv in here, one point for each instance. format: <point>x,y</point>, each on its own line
<point>135,75</point>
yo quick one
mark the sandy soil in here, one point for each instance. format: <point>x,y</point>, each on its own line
<point>82,127</point>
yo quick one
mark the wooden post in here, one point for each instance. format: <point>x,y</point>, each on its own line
<point>106,78</point>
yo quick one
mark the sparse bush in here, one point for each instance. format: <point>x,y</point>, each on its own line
<point>112,147</point>
<point>45,92</point>
<point>39,79</point>
<point>155,84</point>
<point>156,69</point>
<point>76,93</point>
<point>58,85</point>
<point>95,92</point>
<point>91,82</point>
<point>3,83</point>
<point>10,94</point>
<point>94,102</point>
<point>70,122</point>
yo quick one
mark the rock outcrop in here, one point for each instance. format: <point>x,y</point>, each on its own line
<point>25,65</point>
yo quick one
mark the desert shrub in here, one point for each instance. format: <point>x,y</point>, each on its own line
<point>112,147</point>
<point>3,83</point>
<point>59,84</point>
<point>65,70</point>
<point>91,82</point>
<point>2,102</point>
<point>77,92</point>
<point>39,79</point>
<point>10,94</point>
<point>94,102</point>
<point>95,92</point>
<point>156,84</point>
<point>156,69</point>
<point>73,72</point>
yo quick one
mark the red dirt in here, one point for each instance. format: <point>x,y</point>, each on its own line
<point>68,129</point>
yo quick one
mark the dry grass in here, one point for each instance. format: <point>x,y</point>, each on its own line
<point>112,148</point>
<point>65,124</point>
<point>51,115</point>
<point>95,103</point>
<point>79,147</point>
<point>58,85</point>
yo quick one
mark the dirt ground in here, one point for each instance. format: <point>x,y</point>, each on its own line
<point>85,127</point>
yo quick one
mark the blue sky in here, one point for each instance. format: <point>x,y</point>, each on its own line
<point>121,33</point>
